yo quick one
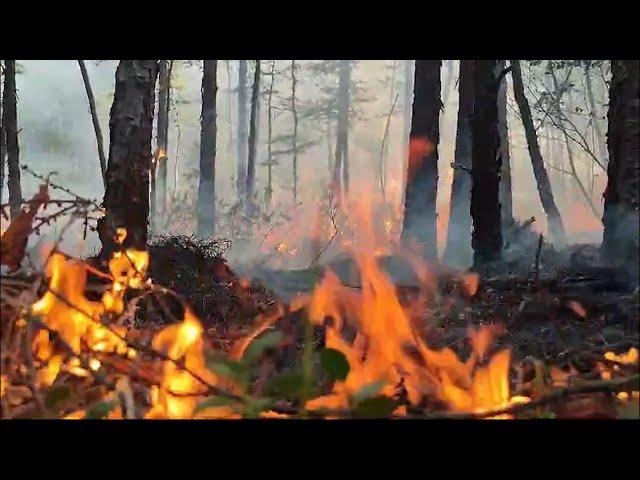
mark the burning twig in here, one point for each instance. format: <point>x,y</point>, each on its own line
<point>611,386</point>
<point>536,271</point>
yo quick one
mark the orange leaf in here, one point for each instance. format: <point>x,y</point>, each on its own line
<point>13,243</point>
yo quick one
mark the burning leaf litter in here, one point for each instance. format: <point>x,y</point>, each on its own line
<point>374,360</point>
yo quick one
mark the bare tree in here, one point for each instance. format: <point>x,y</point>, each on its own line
<point>163,133</point>
<point>486,238</point>
<point>2,137</point>
<point>94,119</point>
<point>126,198</point>
<point>241,161</point>
<point>406,114</point>
<point>10,127</point>
<point>269,189</point>
<point>341,165</point>
<point>506,198</point>
<point>419,223</point>
<point>554,220</point>
<point>207,182</point>
<point>458,250</point>
<point>622,196</point>
<point>251,163</point>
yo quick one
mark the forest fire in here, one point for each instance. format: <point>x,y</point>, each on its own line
<point>312,270</point>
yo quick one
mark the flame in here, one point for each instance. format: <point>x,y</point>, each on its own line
<point>629,358</point>
<point>388,349</point>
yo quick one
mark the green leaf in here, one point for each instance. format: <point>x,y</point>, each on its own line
<point>229,369</point>
<point>368,391</point>
<point>256,406</point>
<point>57,395</point>
<point>214,402</point>
<point>100,410</point>
<point>375,407</point>
<point>286,385</point>
<point>259,345</point>
<point>334,363</point>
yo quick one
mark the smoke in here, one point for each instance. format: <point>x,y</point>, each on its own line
<point>57,135</point>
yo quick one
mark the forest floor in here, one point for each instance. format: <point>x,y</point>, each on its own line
<point>567,319</point>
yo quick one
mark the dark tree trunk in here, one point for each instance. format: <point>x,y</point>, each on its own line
<point>2,138</point>
<point>506,198</point>
<point>242,129</point>
<point>126,199</point>
<point>458,250</point>
<point>94,119</point>
<point>406,116</point>
<point>10,127</point>
<point>269,189</point>
<point>621,198</point>
<point>251,164</point>
<point>294,137</point>
<point>419,223</point>
<point>556,229</point>
<point>207,183</point>
<point>163,134</point>
<point>486,238</point>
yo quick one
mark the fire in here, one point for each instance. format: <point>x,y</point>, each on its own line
<point>385,347</point>
<point>388,349</point>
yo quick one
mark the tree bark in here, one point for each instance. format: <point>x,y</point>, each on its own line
<point>506,198</point>
<point>294,137</point>
<point>458,250</point>
<point>207,183</point>
<point>556,228</point>
<point>486,238</point>
<point>406,117</point>
<point>419,223</point>
<point>242,129</point>
<point>163,134</point>
<point>251,163</point>
<point>94,119</point>
<point>10,127</point>
<point>269,190</point>
<point>2,137</point>
<point>621,198</point>
<point>126,199</point>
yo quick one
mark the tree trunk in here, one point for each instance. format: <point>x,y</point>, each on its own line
<point>94,119</point>
<point>506,199</point>
<point>458,250</point>
<point>486,238</point>
<point>163,134</point>
<point>126,199</point>
<point>2,138</point>
<point>419,223</point>
<point>554,221</point>
<point>343,92</point>
<point>621,198</point>
<point>208,132</point>
<point>242,129</point>
<point>10,127</point>
<point>229,102</point>
<point>294,138</point>
<point>269,190</point>
<point>251,164</point>
<point>406,117</point>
